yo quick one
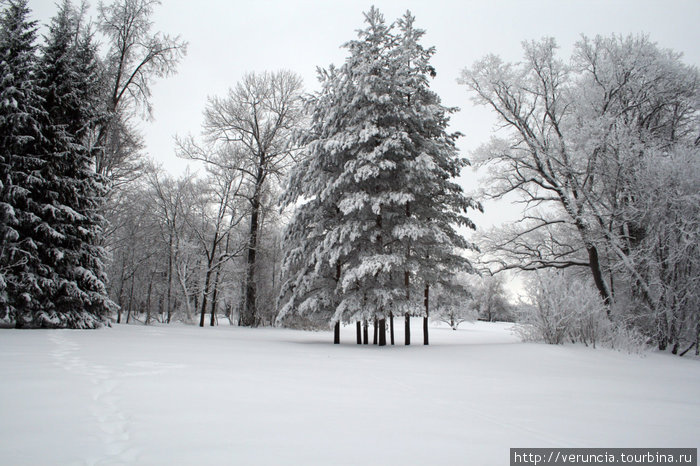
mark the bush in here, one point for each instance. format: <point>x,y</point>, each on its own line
<point>563,308</point>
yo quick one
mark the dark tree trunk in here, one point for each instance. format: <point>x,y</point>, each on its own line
<point>205,295</point>
<point>241,305</point>
<point>391,327</point>
<point>148,301</point>
<point>674,336</point>
<point>161,309</point>
<point>131,300</point>
<point>214,302</point>
<point>365,332</point>
<point>598,279</point>
<point>688,349</point>
<point>407,329</point>
<point>336,336</point>
<point>247,318</point>
<point>170,278</point>
<point>427,314</point>
<point>662,332</point>
<point>376,331</point>
<point>407,284</point>
<point>217,280</point>
<point>382,332</point>
<point>120,300</point>
<point>359,332</point>
<point>215,296</point>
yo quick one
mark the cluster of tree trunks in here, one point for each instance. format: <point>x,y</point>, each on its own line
<point>380,329</point>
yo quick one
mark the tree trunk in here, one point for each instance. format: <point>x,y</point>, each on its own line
<point>182,279</point>
<point>214,301</point>
<point>407,284</point>
<point>207,281</point>
<point>215,295</point>
<point>120,299</point>
<point>241,305</point>
<point>148,301</point>
<point>598,279</point>
<point>407,329</point>
<point>170,279</point>
<point>382,332</point>
<point>248,316</point>
<point>674,336</point>
<point>688,348</point>
<point>162,316</point>
<point>365,332</point>
<point>391,327</point>
<point>131,299</point>
<point>376,331</point>
<point>359,332</point>
<point>336,337</point>
<point>662,332</point>
<point>427,314</point>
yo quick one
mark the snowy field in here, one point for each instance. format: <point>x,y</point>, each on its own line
<point>191,396</point>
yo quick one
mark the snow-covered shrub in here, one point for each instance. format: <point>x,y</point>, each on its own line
<point>626,338</point>
<point>564,307</point>
<point>452,305</point>
<point>551,313</point>
<point>75,320</point>
<point>490,298</point>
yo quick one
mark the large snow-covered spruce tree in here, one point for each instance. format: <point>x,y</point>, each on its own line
<point>71,231</point>
<point>51,257</point>
<point>377,206</point>
<point>21,277</point>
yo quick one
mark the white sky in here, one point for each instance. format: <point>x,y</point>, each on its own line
<point>229,38</point>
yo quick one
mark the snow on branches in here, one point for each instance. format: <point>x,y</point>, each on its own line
<point>376,207</point>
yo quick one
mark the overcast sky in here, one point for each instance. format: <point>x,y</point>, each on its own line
<point>229,38</point>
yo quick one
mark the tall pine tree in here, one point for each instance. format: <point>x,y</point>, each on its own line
<point>71,227</point>
<point>23,278</point>
<point>51,272</point>
<point>312,288</point>
<point>377,185</point>
<point>436,205</point>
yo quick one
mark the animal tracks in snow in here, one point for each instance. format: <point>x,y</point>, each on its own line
<point>151,368</point>
<point>112,423</point>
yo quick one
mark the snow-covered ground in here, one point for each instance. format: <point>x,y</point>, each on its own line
<point>227,395</point>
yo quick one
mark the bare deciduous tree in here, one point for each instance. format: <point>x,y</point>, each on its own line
<point>255,120</point>
<point>580,136</point>
<point>135,56</point>
<point>537,161</point>
<point>490,300</point>
<point>169,197</point>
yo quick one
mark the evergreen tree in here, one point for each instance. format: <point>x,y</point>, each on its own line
<point>312,288</point>
<point>22,276</point>
<point>376,185</point>
<point>435,204</point>
<point>324,237</point>
<point>71,227</point>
